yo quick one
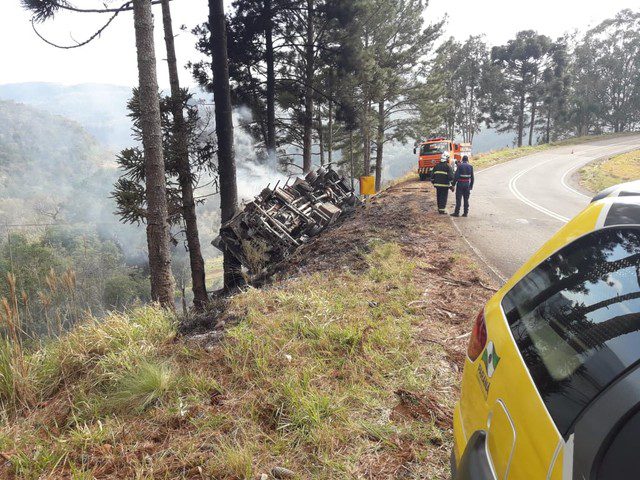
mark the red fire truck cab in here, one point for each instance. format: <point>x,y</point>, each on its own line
<point>430,152</point>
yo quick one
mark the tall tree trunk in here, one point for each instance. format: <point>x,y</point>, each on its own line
<point>271,81</point>
<point>366,138</point>
<point>330,131</point>
<point>379,145</point>
<point>198,284</point>
<point>162,283</point>
<point>548,126</point>
<point>353,169</point>
<point>308,91</point>
<point>471,121</point>
<point>533,120</point>
<point>366,151</point>
<point>320,139</point>
<point>521,119</point>
<point>224,133</point>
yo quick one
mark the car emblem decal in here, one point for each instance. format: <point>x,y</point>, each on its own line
<point>490,358</point>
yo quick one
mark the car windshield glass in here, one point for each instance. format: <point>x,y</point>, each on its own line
<point>432,148</point>
<point>576,319</point>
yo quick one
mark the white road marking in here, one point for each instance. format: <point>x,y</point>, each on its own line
<point>514,189</point>
<point>478,254</point>
<point>563,181</point>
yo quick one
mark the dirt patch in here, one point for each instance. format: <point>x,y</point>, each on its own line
<point>455,286</point>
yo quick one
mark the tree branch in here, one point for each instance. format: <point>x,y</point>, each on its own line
<point>78,44</point>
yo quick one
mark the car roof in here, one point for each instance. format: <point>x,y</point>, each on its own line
<point>618,210</point>
<point>629,189</point>
<point>610,210</point>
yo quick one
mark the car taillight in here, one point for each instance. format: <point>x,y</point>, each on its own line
<point>478,337</point>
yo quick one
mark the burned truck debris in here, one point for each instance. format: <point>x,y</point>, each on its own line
<point>280,219</point>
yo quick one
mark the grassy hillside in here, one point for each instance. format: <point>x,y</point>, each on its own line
<point>309,387</point>
<point>618,169</point>
<point>58,235</point>
<point>489,159</point>
<point>345,368</point>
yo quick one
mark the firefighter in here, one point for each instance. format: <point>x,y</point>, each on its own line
<point>441,177</point>
<point>463,182</point>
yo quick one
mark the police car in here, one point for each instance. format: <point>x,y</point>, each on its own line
<point>551,383</point>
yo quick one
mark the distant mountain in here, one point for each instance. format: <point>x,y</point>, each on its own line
<point>101,109</point>
<point>53,171</point>
<point>49,163</point>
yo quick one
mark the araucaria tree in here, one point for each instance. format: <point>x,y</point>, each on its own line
<point>129,190</point>
<point>180,149</point>
<point>521,62</point>
<point>157,221</point>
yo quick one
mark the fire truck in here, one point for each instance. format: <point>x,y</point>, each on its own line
<point>430,152</point>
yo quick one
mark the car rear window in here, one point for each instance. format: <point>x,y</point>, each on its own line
<point>576,319</point>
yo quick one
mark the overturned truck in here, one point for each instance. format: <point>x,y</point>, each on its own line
<point>280,219</point>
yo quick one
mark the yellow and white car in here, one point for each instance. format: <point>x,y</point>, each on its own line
<point>551,384</point>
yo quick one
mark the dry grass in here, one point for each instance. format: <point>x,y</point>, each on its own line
<point>306,381</point>
<point>606,173</point>
<point>335,373</point>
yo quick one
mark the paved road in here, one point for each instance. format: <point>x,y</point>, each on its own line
<point>517,206</point>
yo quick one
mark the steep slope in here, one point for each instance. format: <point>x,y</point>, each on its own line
<point>347,366</point>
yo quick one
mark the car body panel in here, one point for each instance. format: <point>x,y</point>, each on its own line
<point>538,447</point>
<point>555,469</point>
<point>501,439</point>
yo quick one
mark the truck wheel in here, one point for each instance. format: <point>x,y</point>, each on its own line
<point>423,177</point>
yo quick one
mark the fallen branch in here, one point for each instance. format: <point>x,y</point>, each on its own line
<point>460,336</point>
<point>431,340</point>
<point>445,312</point>
<point>454,281</point>
<point>417,302</point>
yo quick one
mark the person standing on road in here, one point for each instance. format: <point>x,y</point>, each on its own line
<point>441,177</point>
<point>463,182</point>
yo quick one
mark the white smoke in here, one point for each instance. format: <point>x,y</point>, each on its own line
<point>252,175</point>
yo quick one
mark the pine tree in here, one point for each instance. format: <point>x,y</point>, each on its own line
<point>224,132</point>
<point>182,163</point>
<point>157,213</point>
<point>615,51</point>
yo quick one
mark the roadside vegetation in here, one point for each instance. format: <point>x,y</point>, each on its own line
<point>611,171</point>
<point>489,159</point>
<point>305,381</point>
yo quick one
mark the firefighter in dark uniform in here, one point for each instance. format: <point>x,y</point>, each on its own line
<point>441,177</point>
<point>463,181</point>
